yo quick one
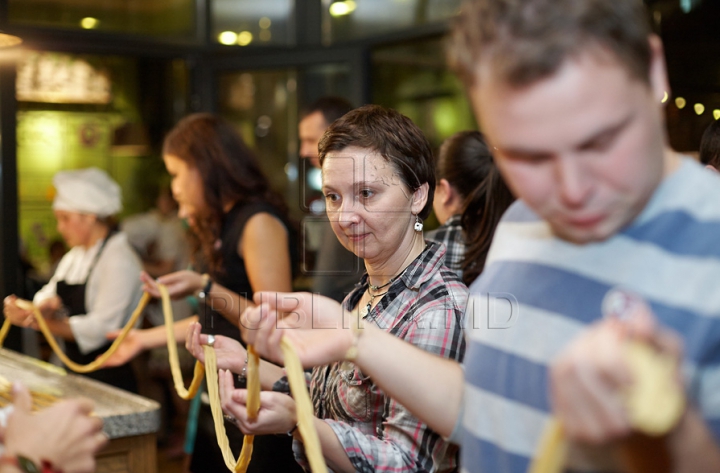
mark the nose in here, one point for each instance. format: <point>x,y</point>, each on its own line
<point>574,183</point>
<point>345,213</point>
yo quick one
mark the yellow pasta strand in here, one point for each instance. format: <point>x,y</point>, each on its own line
<point>4,331</point>
<point>553,449</point>
<point>304,408</point>
<point>95,364</point>
<point>655,404</point>
<point>173,357</point>
<point>295,373</point>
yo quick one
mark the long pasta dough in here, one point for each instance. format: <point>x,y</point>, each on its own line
<point>655,404</point>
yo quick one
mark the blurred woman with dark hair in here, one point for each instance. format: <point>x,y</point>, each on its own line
<point>469,200</point>
<point>240,228</point>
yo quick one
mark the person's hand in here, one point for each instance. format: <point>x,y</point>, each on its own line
<point>64,434</point>
<point>230,353</point>
<point>277,410</point>
<point>49,306</point>
<point>179,284</point>
<point>16,315</point>
<point>317,327</point>
<point>132,346</point>
<point>589,377</point>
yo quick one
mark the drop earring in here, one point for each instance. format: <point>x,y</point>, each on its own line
<point>418,224</point>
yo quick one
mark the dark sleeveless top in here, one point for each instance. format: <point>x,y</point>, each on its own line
<point>233,274</point>
<point>271,453</point>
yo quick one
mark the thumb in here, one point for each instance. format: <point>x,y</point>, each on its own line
<point>113,334</point>
<point>21,397</point>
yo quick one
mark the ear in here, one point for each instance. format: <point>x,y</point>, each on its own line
<point>443,192</point>
<point>658,70</point>
<point>420,198</point>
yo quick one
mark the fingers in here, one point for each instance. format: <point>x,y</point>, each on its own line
<point>149,284</point>
<point>590,407</point>
<point>9,301</point>
<point>113,334</point>
<point>194,343</point>
<point>587,382</point>
<point>226,388</point>
<point>21,397</point>
<point>86,406</point>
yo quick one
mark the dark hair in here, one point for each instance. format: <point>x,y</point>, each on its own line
<point>484,204</point>
<point>710,145</point>
<point>330,107</point>
<point>527,40</point>
<point>392,135</point>
<point>230,174</point>
<point>463,161</point>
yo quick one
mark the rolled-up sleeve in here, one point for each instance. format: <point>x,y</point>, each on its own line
<point>113,291</point>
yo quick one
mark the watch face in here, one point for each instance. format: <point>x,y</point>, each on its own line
<point>27,465</point>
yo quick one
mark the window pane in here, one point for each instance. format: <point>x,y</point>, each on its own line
<point>252,22</point>
<point>414,79</point>
<point>175,18</point>
<point>351,19</point>
<point>263,105</point>
<point>65,121</point>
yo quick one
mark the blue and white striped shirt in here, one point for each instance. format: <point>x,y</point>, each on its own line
<point>670,255</point>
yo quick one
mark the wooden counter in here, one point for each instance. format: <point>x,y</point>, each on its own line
<point>130,421</point>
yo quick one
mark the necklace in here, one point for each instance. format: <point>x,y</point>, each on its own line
<point>376,288</point>
<point>368,307</point>
<point>371,288</point>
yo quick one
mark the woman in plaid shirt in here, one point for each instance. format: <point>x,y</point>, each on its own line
<point>378,180</point>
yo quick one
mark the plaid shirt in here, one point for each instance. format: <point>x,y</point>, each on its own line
<point>450,234</point>
<point>424,306</point>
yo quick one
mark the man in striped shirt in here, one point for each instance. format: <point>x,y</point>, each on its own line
<point>569,93</point>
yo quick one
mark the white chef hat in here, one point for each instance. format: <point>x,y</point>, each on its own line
<point>88,190</point>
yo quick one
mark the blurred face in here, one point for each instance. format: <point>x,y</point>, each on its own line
<point>75,228</point>
<point>187,186</point>
<point>583,148</point>
<point>370,209</point>
<point>310,131</point>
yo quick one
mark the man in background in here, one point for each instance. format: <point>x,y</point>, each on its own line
<point>336,269</point>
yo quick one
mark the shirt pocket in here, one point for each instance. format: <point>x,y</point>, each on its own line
<point>355,393</point>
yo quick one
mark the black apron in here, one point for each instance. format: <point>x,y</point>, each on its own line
<point>73,300</point>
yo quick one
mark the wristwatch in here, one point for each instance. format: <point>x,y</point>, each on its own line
<point>207,283</point>
<point>26,465</point>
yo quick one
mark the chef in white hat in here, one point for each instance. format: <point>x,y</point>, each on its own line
<point>96,285</point>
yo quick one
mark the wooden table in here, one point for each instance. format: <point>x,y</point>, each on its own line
<point>130,421</point>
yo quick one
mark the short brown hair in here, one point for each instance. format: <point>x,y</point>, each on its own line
<point>529,40</point>
<point>394,137</point>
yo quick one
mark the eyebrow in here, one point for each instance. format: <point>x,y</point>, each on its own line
<point>587,143</point>
<point>607,132</point>
<point>356,185</point>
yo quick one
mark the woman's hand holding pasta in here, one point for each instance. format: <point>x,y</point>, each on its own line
<point>230,353</point>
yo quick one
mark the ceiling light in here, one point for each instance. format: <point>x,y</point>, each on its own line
<point>89,22</point>
<point>228,37</point>
<point>342,8</point>
<point>244,38</point>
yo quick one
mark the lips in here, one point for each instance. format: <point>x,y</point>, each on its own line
<point>357,237</point>
<point>585,222</point>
